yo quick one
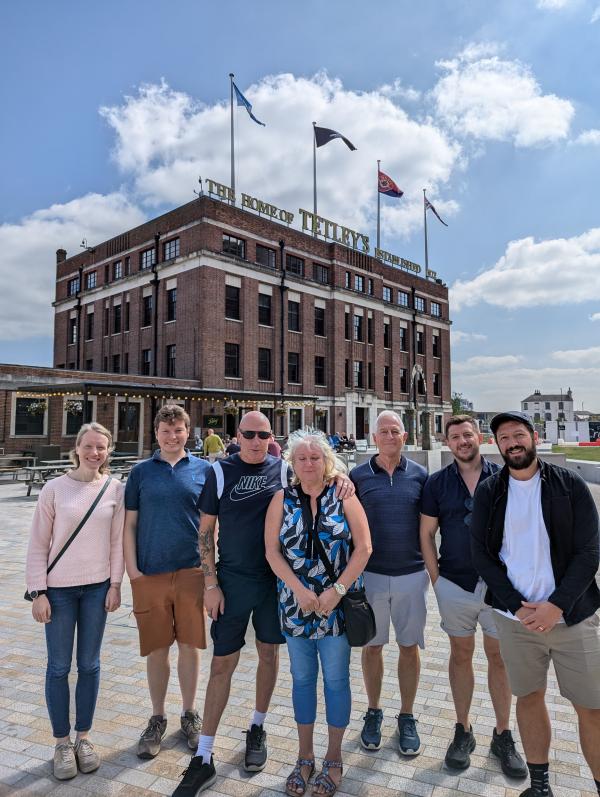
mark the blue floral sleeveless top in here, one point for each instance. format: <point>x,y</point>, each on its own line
<point>298,549</point>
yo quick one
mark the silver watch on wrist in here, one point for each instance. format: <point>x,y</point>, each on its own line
<point>340,589</point>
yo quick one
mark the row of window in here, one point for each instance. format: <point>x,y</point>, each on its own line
<point>233,367</point>
<point>355,378</point>
<point>561,405</point>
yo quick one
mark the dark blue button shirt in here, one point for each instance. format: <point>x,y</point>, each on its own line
<point>447,498</point>
<point>165,498</point>
<point>392,505</point>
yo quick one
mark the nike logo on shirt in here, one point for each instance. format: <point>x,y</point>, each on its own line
<point>247,487</point>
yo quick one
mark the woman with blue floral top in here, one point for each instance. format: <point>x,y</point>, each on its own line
<point>304,523</point>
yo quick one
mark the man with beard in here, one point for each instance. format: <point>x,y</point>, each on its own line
<point>535,542</point>
<point>448,504</point>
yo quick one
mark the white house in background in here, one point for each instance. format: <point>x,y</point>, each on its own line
<point>542,407</point>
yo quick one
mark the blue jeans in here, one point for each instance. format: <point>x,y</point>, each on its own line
<point>81,607</point>
<point>334,653</point>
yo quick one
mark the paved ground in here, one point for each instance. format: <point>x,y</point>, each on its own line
<point>26,744</point>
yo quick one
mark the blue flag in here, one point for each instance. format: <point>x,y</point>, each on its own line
<point>241,100</point>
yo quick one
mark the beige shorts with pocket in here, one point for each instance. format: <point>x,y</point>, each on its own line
<point>461,610</point>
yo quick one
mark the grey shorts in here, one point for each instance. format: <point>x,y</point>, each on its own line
<point>461,610</point>
<point>574,650</point>
<point>401,600</point>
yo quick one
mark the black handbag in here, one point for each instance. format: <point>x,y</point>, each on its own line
<point>359,618</point>
<point>86,517</point>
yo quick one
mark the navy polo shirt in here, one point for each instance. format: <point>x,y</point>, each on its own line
<point>444,497</point>
<point>392,505</point>
<point>165,498</point>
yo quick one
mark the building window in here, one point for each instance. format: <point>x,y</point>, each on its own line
<point>146,362</point>
<point>420,342</point>
<point>561,405</point>
<point>294,316</point>
<point>72,333</point>
<point>105,369</point>
<point>347,382</point>
<point>90,280</point>
<point>295,419</point>
<point>387,335</point>
<point>147,310</point>
<point>232,360</point>
<point>403,298</point>
<point>348,283</point>
<point>319,370</point>
<point>75,416</point>
<point>436,309</point>
<point>234,246</point>
<point>126,320</point>
<point>437,385</point>
<point>116,319</point>
<point>357,370</point>
<point>524,405</point>
<point>421,385</point>
<point>403,339</point>
<point>387,294</point>
<point>370,376</point>
<point>232,302</point>
<point>386,378</point>
<point>436,346</point>
<point>127,266</point>
<point>171,249</point>
<point>171,359</point>
<point>293,366</point>
<point>370,288</point>
<point>265,256</point>
<point>359,283</point>
<point>403,381</point>
<point>73,286</point>
<point>106,274</point>
<point>89,365</point>
<point>358,328</point>
<point>29,416</point>
<point>369,330</point>
<point>347,326</point>
<point>71,366</point>
<point>320,321</point>
<point>264,364</point>
<point>147,259</point>
<point>264,309</point>
<point>438,424</point>
<point>126,363</point>
<point>116,363</point>
<point>172,304</point>
<point>547,403</point>
<point>295,265</point>
<point>321,273</point>
<point>118,270</point>
<point>419,304</point>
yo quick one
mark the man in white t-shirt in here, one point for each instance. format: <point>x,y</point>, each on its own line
<point>535,543</point>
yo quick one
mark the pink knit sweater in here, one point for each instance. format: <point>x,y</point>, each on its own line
<point>95,554</point>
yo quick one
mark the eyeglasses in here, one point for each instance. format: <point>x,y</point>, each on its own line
<point>469,508</point>
<point>248,435</point>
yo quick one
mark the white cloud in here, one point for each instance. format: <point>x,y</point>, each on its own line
<point>591,137</point>
<point>554,5</point>
<point>486,97</point>
<point>28,266</point>
<point>585,357</point>
<point>486,363</point>
<point>458,337</point>
<point>558,271</point>
<point>595,317</point>
<point>595,16</point>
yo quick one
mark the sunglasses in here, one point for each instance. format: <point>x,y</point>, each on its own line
<point>469,508</point>
<point>248,435</point>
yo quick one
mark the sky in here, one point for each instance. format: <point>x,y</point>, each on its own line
<point>113,110</point>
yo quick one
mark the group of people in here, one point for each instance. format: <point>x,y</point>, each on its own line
<point>281,542</point>
<point>340,441</point>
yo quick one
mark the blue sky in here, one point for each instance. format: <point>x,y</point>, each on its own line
<point>113,109</point>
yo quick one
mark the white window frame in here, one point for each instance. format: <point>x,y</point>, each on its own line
<point>93,399</point>
<point>13,416</point>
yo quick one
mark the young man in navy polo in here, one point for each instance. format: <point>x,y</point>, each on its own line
<point>163,565</point>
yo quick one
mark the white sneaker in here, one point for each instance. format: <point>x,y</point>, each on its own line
<point>88,759</point>
<point>64,763</point>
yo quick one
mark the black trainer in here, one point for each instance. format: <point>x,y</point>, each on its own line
<point>503,746</point>
<point>457,755</point>
<point>197,777</point>
<point>531,792</point>
<point>256,749</point>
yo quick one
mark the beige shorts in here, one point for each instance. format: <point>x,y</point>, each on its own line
<point>461,610</point>
<point>574,650</point>
<point>401,600</point>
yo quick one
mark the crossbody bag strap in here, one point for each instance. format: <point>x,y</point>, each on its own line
<point>321,553</point>
<point>82,524</point>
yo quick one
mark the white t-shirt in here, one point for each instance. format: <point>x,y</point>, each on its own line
<point>526,546</point>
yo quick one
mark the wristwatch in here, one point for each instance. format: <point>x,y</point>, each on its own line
<point>35,593</point>
<point>340,589</point>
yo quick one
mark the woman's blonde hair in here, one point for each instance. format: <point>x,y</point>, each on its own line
<point>93,427</point>
<point>314,437</point>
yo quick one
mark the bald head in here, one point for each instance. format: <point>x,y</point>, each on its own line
<point>255,420</point>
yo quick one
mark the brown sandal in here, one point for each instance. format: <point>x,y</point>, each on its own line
<point>296,785</point>
<point>324,782</point>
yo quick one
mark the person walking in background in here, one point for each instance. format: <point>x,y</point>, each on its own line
<point>213,446</point>
<point>448,504</point>
<point>73,587</point>
<point>300,519</point>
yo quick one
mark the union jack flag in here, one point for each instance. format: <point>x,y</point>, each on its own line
<point>388,186</point>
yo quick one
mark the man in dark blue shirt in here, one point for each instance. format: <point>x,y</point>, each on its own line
<point>389,487</point>
<point>448,504</point>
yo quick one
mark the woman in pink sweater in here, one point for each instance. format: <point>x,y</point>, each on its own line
<point>84,585</point>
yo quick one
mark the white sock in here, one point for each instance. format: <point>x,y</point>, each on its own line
<point>205,748</point>
<point>258,719</point>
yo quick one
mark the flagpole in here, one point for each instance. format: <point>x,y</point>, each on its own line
<point>314,170</point>
<point>231,76</point>
<point>378,207</point>
<point>425,229</point>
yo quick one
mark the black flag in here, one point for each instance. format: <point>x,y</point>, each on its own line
<point>323,135</point>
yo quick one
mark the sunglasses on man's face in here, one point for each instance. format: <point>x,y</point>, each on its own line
<point>248,435</point>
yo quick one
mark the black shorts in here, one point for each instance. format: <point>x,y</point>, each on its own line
<point>246,597</point>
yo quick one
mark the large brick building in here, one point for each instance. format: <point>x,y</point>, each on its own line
<point>228,309</point>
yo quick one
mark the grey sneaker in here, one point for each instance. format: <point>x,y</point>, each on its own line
<point>64,764</point>
<point>87,758</point>
<point>149,743</point>
<point>191,725</point>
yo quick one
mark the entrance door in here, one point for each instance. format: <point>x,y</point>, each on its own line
<point>129,422</point>
<point>359,423</point>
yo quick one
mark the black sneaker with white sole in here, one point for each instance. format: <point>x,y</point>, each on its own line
<point>256,749</point>
<point>197,777</point>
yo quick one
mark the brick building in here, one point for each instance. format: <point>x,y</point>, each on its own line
<point>195,304</point>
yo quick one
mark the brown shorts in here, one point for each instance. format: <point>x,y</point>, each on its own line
<point>169,607</point>
<point>574,650</point>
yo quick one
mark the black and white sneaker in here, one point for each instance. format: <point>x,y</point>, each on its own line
<point>256,749</point>
<point>197,777</point>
